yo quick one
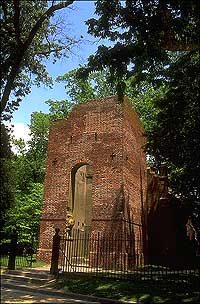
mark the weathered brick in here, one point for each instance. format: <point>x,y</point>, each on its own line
<point>108,136</point>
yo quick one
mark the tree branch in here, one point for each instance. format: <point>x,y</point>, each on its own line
<point>16,21</point>
<point>24,47</point>
<point>169,42</point>
<point>45,16</point>
<point>13,73</point>
<point>49,51</point>
<point>172,45</point>
<point>57,49</point>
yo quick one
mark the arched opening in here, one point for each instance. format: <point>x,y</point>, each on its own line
<point>80,201</point>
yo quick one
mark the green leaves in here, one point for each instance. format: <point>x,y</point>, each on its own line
<point>175,134</point>
<point>7,188</point>
<point>144,33</point>
<point>39,132</point>
<point>26,213</point>
<point>59,108</point>
<point>29,36</point>
<point>22,194</point>
<point>96,86</point>
<point>155,62</point>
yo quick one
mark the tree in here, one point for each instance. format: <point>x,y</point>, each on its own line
<point>7,188</point>
<point>37,145</point>
<point>174,138</point>
<point>30,160</point>
<point>96,86</point>
<point>27,39</point>
<point>59,109</point>
<point>25,214</point>
<point>28,173</point>
<point>145,33</point>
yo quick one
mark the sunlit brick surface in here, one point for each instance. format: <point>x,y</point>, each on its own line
<point>108,136</point>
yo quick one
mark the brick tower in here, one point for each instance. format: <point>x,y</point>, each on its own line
<point>95,169</point>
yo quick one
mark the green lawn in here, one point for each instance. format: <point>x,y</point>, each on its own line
<point>137,290</point>
<point>22,261</point>
<point>171,289</point>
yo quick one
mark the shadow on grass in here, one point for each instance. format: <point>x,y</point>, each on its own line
<point>136,290</point>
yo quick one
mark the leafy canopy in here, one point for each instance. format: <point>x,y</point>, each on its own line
<point>175,136</point>
<point>144,32</point>
<point>7,188</point>
<point>26,213</point>
<point>28,38</point>
<point>96,86</point>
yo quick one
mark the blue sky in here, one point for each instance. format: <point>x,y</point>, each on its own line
<point>35,101</point>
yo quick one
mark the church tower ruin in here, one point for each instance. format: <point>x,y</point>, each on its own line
<point>96,171</point>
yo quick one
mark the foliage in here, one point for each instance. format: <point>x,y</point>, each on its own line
<point>175,136</point>
<point>59,109</point>
<point>28,168</point>
<point>96,86</point>
<point>7,188</point>
<point>25,214</point>
<point>30,159</point>
<point>144,33</point>
<point>28,172</point>
<point>141,96</point>
<point>39,131</point>
<point>28,38</point>
<point>37,152</point>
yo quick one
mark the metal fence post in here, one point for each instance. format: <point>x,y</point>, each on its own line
<point>55,252</point>
<point>13,250</point>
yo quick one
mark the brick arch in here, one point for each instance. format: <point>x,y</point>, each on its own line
<point>80,194</point>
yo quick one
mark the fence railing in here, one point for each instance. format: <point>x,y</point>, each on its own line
<point>82,252</point>
<point>113,256</point>
<point>21,261</point>
<point>14,255</point>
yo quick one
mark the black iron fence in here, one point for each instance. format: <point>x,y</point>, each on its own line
<point>21,261</point>
<point>113,256</point>
<point>99,253</point>
<point>14,255</point>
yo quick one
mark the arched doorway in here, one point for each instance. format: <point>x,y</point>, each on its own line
<point>80,201</point>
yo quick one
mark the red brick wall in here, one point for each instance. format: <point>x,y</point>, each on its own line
<point>134,164</point>
<point>106,135</point>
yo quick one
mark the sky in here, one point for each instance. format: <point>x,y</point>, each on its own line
<point>35,101</point>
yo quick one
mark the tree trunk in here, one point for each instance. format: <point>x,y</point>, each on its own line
<point>23,48</point>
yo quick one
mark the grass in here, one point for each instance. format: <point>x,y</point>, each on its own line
<point>22,261</point>
<point>171,289</point>
<point>132,291</point>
